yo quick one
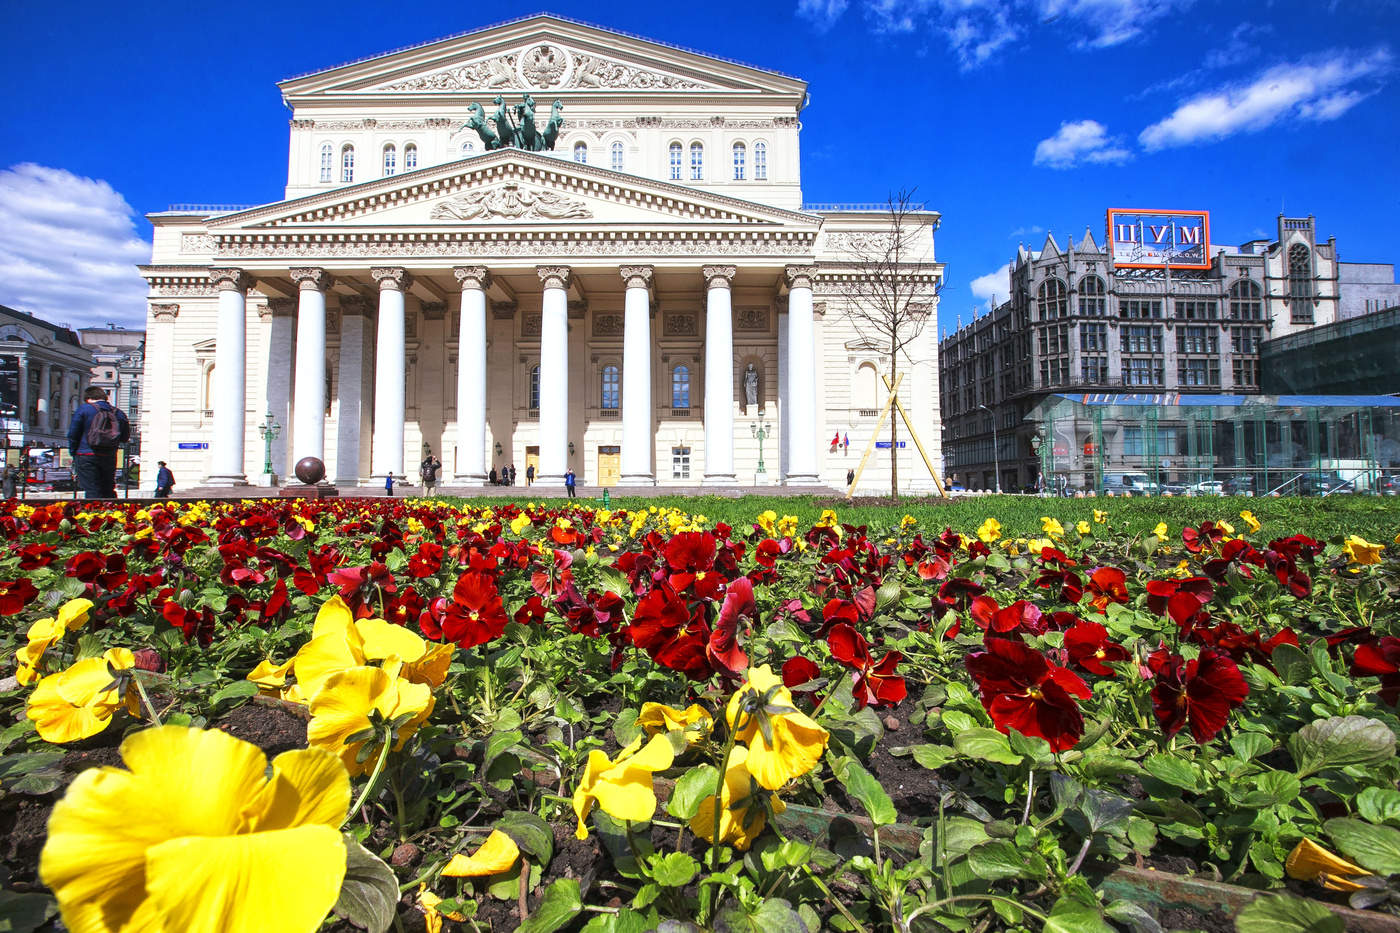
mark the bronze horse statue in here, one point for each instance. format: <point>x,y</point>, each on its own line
<point>555,124</point>
<point>477,122</point>
<point>529,139</point>
<point>515,126</point>
<point>507,130</point>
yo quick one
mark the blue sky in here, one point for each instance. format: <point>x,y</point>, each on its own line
<point>1011,118</point>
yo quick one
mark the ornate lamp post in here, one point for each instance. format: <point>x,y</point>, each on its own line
<point>269,430</point>
<point>759,431</point>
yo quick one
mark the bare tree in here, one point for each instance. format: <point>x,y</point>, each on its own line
<point>890,283</point>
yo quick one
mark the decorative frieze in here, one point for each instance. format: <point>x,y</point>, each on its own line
<point>376,247</point>
<point>164,311</point>
<point>607,325</point>
<point>680,324</point>
<point>196,243</point>
<point>503,310</point>
<point>543,66</point>
<point>530,324</point>
<point>512,201</point>
<point>861,243</point>
<point>751,320</point>
<point>433,310</point>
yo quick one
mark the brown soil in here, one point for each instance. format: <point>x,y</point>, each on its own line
<point>911,786</point>
<point>1185,918</point>
<point>273,729</point>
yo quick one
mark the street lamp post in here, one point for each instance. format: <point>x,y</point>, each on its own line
<point>269,430</point>
<point>759,431</point>
<point>996,454</point>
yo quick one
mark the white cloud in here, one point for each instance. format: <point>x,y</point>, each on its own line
<point>822,13</point>
<point>1080,141</point>
<point>1027,231</point>
<point>989,286</point>
<point>977,30</point>
<point>69,249</point>
<point>1318,89</point>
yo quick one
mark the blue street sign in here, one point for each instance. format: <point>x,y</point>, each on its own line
<point>193,445</point>
<point>885,445</point>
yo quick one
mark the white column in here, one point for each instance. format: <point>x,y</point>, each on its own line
<point>637,438</point>
<point>554,375</point>
<point>470,469</point>
<point>801,401</point>
<point>230,379</point>
<point>45,394</point>
<point>389,373</point>
<point>309,388</point>
<point>66,406</point>
<point>719,377</point>
<point>352,381</point>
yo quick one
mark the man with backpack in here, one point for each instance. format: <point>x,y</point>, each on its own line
<point>165,480</point>
<point>428,470</point>
<point>95,433</point>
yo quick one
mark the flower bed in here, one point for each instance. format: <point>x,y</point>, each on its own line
<point>255,715</point>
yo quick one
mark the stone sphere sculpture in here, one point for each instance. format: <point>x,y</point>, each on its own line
<point>310,470</point>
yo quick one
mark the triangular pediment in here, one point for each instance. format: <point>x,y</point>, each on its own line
<point>510,188</point>
<point>540,54</point>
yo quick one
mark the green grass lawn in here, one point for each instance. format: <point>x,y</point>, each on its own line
<point>1374,518</point>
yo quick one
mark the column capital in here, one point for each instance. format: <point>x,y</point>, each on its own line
<point>354,304</point>
<point>800,276</point>
<point>165,311</point>
<point>312,278</point>
<point>636,276</point>
<point>554,276</point>
<point>719,276</point>
<point>391,278</point>
<point>233,280</point>
<point>472,276</point>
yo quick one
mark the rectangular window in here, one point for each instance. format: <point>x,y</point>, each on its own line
<point>1142,372</point>
<point>1141,339</point>
<point>1197,310</point>
<point>1300,310</point>
<point>1140,309</point>
<point>760,162</point>
<point>697,162</point>
<point>676,163</point>
<point>1245,339</point>
<point>1197,340</point>
<point>1093,337</point>
<point>1193,373</point>
<point>680,463</point>
<point>1246,373</point>
<point>1093,370</point>
<point>1135,442</point>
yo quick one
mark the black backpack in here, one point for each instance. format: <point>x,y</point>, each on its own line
<point>104,429</point>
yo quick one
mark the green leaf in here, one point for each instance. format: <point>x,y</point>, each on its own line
<point>29,762</point>
<point>774,915</point>
<point>863,786</point>
<point>498,743</point>
<point>1293,665</point>
<point>1374,847</point>
<point>1248,746</point>
<point>234,691</point>
<point>24,913</point>
<point>986,745</point>
<point>856,733</point>
<point>1174,771</point>
<point>888,594</point>
<point>1282,913</point>
<point>1032,747</point>
<point>1072,915</point>
<point>624,921</point>
<point>691,789</point>
<point>625,727</point>
<point>1379,805</point>
<point>675,870</point>
<point>787,854</point>
<point>998,860</point>
<point>1271,789</point>
<point>530,833</point>
<point>560,904</point>
<point>933,757</point>
<point>1133,916</point>
<point>1341,741</point>
<point>370,890</point>
<point>1105,812</point>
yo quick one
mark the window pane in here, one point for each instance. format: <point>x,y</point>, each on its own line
<point>410,157</point>
<point>697,162</point>
<point>616,153</point>
<point>760,161</point>
<point>327,162</point>
<point>581,152</point>
<point>390,160</point>
<point>347,164</point>
<point>610,394</point>
<point>738,161</point>
<point>680,387</point>
<point>535,386</point>
<point>675,161</point>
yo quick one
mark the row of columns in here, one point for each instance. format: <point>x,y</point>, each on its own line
<point>309,399</point>
<point>71,384</point>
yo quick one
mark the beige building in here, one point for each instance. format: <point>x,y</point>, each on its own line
<point>638,303</point>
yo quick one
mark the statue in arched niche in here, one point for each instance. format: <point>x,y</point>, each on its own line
<point>750,388</point>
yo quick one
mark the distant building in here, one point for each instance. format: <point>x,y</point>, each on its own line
<point>43,371</point>
<point>1077,321</point>
<point>118,363</point>
<point>1355,356</point>
<point>1366,287</point>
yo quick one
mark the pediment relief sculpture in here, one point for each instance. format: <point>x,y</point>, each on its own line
<point>512,201</point>
<point>543,66</point>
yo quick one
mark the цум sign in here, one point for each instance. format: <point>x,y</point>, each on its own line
<point>1153,239</point>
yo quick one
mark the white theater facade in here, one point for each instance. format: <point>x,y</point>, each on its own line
<point>649,302</point>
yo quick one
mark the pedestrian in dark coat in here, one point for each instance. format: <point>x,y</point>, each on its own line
<point>96,466</point>
<point>569,481</point>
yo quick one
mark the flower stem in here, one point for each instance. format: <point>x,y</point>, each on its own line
<point>373,779</point>
<point>146,700</point>
<point>734,729</point>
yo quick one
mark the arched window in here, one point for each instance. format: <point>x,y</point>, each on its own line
<point>739,153</point>
<point>410,157</point>
<point>581,152</point>
<point>760,161</point>
<point>1299,273</point>
<point>347,163</point>
<point>680,387</point>
<point>610,388</point>
<point>468,148</point>
<point>697,162</point>
<point>390,160</point>
<point>1053,301</point>
<point>1092,300</point>
<point>1246,301</point>
<point>327,162</point>
<point>866,390</point>
<point>675,161</point>
<point>615,156</point>
<point>535,386</point>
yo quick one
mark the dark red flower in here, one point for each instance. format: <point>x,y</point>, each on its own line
<point>959,591</point>
<point>149,659</point>
<point>1380,658</point>
<point>1070,585</point>
<point>15,595</point>
<point>34,556</point>
<point>85,566</point>
<point>532,612</point>
<point>1109,585</point>
<point>723,648</point>
<point>192,623</point>
<point>427,561</point>
<point>1199,693</point>
<point>475,615</point>
<point>1022,690</point>
<point>798,670</point>
<point>1090,649</point>
<point>874,683</point>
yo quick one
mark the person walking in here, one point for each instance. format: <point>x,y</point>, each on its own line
<point>512,473</point>
<point>429,470</point>
<point>850,477</point>
<point>569,481</point>
<point>493,477</point>
<point>96,431</point>
<point>7,483</point>
<point>389,484</point>
<point>165,480</point>
<point>530,474</point>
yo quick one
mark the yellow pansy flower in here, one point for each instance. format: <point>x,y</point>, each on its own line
<point>340,713</point>
<point>784,743</point>
<point>1052,527</point>
<point>497,854</point>
<point>695,721</point>
<point>1036,545</point>
<point>767,522</point>
<point>1160,531</point>
<point>1250,521</point>
<point>432,917</point>
<point>81,701</point>
<point>74,614</point>
<point>42,634</point>
<point>1100,516</point>
<point>828,519</point>
<point>742,814</point>
<point>196,837</point>
<point>1311,862</point>
<point>271,678</point>
<point>1225,526</point>
<point>1082,527</point>
<point>787,526</point>
<point>989,530</point>
<point>907,522</point>
<point>1361,551</point>
<point>622,787</point>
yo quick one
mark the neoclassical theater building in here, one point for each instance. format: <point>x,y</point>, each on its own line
<point>540,243</point>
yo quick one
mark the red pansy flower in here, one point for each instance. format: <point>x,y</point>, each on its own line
<point>1090,649</point>
<point>1022,690</point>
<point>15,595</point>
<point>475,615</point>
<point>1380,658</point>
<point>1109,585</point>
<point>1199,693</point>
<point>723,648</point>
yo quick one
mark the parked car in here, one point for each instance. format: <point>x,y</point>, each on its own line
<point>1239,485</point>
<point>1317,483</point>
<point>1388,485</point>
<point>1208,487</point>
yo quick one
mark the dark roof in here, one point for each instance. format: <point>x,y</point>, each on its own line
<point>61,333</point>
